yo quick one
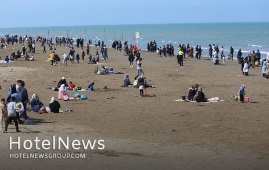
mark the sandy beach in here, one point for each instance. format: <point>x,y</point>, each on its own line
<point>148,132</point>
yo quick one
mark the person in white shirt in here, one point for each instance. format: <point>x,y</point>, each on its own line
<point>65,59</point>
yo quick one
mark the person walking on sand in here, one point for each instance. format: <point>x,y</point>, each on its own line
<point>139,70</point>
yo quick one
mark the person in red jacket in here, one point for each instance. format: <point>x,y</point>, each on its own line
<point>71,85</point>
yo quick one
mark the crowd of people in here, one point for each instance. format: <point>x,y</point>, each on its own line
<point>14,107</point>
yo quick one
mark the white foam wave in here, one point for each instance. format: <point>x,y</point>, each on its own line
<point>254,45</point>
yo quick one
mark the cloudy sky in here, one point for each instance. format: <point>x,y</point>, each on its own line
<point>34,13</point>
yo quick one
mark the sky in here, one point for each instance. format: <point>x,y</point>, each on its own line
<point>35,13</point>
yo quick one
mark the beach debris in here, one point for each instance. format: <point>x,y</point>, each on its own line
<point>69,110</point>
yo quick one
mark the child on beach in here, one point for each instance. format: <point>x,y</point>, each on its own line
<point>241,93</point>
<point>224,60</point>
<point>141,90</point>
<point>11,114</point>
<point>3,110</point>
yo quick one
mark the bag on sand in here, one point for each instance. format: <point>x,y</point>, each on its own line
<point>77,95</point>
<point>83,97</point>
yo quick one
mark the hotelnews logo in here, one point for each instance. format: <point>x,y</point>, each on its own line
<point>55,144</point>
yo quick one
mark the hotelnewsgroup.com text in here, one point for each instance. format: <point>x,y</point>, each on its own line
<point>61,148</point>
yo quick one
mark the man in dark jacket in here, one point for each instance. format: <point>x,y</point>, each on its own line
<point>23,97</point>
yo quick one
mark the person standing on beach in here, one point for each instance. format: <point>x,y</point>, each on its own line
<point>88,49</point>
<point>77,58</point>
<point>199,52</point>
<point>196,52</point>
<point>221,52</point>
<point>23,50</point>
<point>82,54</point>
<point>65,58</point>
<point>246,68</point>
<point>241,93</point>
<point>231,53</point>
<point>180,57</point>
<point>44,49</point>
<point>131,59</point>
<point>239,56</point>
<point>11,114</point>
<point>96,53</point>
<point>23,97</point>
<point>52,57</point>
<point>210,50</point>
<point>258,57</point>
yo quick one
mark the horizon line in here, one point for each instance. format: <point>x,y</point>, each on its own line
<point>134,24</point>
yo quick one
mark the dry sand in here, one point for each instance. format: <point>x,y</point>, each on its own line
<point>144,133</point>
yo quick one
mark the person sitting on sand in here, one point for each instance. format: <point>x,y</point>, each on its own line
<point>54,105</point>
<point>71,85</point>
<point>126,81</point>
<point>62,95</point>
<point>62,81</point>
<point>135,84</point>
<point>36,104</point>
<point>92,60</point>
<point>104,70</point>
<point>191,93</point>
<point>146,85</point>
<point>200,96</point>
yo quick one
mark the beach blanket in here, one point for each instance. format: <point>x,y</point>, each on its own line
<point>210,100</point>
<point>110,73</point>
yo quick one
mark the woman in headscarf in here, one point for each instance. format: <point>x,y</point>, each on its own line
<point>126,81</point>
<point>62,95</point>
<point>54,105</point>
<point>62,81</point>
<point>36,104</point>
<point>200,96</point>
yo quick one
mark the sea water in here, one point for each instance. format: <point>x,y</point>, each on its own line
<point>247,36</point>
